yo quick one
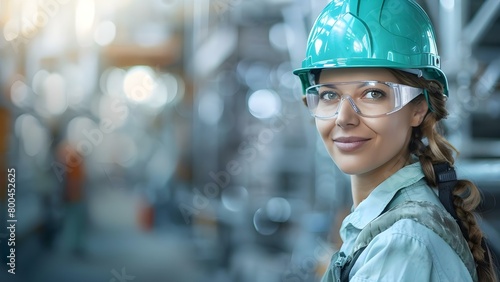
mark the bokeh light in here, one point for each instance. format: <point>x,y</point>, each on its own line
<point>263,224</point>
<point>34,137</point>
<point>105,33</point>
<point>20,94</point>
<point>11,30</point>
<point>264,103</point>
<point>210,108</point>
<point>54,93</point>
<point>281,36</point>
<point>234,198</point>
<point>139,83</point>
<point>278,209</point>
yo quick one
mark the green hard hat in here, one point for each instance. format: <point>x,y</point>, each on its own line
<point>372,33</point>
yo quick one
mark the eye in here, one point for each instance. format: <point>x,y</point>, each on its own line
<point>374,94</point>
<point>329,95</point>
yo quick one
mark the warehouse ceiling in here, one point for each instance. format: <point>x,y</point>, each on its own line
<point>487,11</point>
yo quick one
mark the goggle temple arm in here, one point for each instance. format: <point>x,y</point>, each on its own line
<point>426,95</point>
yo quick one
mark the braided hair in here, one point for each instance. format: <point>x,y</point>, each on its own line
<point>429,145</point>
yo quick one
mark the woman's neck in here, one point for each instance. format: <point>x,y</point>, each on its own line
<point>361,187</point>
<point>363,184</point>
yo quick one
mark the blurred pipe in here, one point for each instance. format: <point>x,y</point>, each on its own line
<point>488,81</point>
<point>196,24</point>
<point>204,142</point>
<point>450,27</point>
<point>483,172</point>
<point>293,17</point>
<point>452,48</point>
<point>316,7</point>
<point>493,236</point>
<point>215,50</point>
<point>483,20</point>
<point>433,10</point>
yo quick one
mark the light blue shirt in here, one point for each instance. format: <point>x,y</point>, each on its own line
<point>407,251</point>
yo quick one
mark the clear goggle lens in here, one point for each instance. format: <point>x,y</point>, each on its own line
<point>367,98</point>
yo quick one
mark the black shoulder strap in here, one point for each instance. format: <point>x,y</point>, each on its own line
<point>446,179</point>
<point>344,274</point>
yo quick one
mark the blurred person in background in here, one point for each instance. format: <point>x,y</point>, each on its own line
<point>372,80</point>
<point>72,170</point>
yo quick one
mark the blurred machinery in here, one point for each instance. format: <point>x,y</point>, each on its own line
<point>201,163</point>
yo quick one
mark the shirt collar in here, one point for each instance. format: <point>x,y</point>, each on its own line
<point>382,195</point>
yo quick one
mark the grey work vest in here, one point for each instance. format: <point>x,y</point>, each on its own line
<point>425,213</point>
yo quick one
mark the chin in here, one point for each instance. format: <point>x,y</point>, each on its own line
<point>349,168</point>
<point>349,171</point>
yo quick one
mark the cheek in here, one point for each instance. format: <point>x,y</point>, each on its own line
<point>391,132</point>
<point>324,128</point>
<point>321,126</point>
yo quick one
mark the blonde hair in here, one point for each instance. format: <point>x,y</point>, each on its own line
<point>466,196</point>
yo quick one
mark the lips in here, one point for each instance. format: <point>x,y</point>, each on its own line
<point>350,144</point>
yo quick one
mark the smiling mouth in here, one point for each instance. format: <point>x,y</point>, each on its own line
<point>350,144</point>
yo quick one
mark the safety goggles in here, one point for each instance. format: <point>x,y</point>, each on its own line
<point>367,98</point>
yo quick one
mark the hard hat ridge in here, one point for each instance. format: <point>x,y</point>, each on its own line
<point>372,33</point>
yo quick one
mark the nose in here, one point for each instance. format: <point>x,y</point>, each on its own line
<point>346,113</point>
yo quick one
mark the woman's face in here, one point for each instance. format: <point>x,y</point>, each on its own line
<point>360,145</point>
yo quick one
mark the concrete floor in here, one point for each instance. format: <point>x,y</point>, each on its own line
<point>119,257</point>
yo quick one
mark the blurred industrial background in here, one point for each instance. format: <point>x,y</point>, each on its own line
<point>165,140</point>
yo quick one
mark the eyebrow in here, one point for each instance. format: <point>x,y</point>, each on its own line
<point>332,85</point>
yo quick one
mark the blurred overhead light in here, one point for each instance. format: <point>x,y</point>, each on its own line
<point>447,4</point>
<point>84,20</point>
<point>105,33</point>
<point>264,104</point>
<point>142,85</point>
<point>139,83</point>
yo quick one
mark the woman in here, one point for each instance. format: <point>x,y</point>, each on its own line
<point>373,82</point>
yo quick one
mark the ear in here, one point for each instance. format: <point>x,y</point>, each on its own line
<point>419,111</point>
